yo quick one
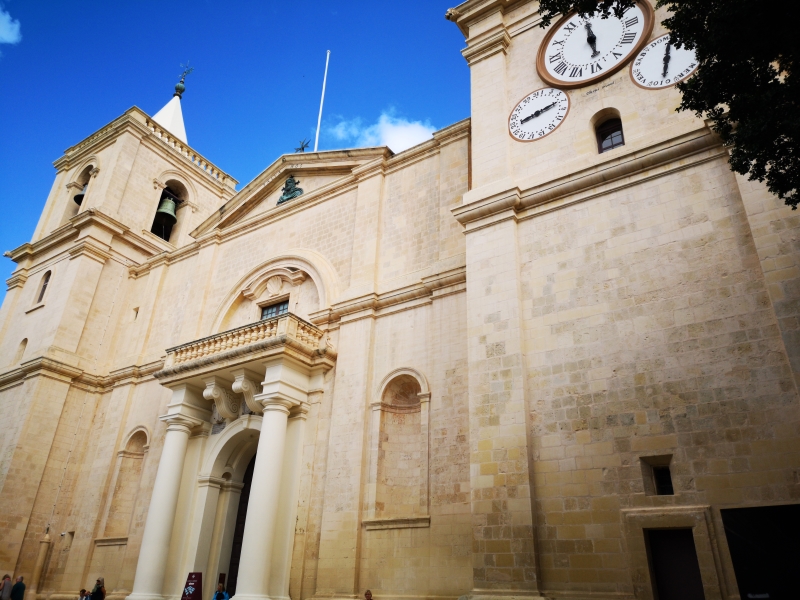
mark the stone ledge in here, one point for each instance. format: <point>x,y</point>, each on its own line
<point>397,523</point>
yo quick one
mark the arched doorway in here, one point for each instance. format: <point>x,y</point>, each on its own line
<point>238,532</point>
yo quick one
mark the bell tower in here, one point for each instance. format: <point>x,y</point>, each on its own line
<point>129,192</point>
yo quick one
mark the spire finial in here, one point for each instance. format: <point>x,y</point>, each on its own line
<point>180,87</point>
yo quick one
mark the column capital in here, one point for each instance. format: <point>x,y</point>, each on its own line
<point>180,422</point>
<point>270,402</point>
<point>300,411</point>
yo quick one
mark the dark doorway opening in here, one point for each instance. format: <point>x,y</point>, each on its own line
<point>674,568</point>
<point>764,549</point>
<point>238,532</point>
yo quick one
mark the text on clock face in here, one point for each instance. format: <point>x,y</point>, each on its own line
<point>538,114</point>
<point>584,48</point>
<point>660,64</point>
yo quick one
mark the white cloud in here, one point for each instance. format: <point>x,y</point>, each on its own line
<point>397,133</point>
<point>9,29</point>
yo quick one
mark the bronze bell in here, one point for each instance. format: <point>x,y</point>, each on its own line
<point>79,196</point>
<point>166,209</point>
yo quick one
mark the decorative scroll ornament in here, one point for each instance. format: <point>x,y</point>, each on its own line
<point>227,405</point>
<point>243,385</point>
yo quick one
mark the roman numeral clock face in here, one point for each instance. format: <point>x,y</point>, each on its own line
<point>579,51</point>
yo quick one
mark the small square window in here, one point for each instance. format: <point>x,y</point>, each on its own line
<point>275,310</point>
<point>657,475</point>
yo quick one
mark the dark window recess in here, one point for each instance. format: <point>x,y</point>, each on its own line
<point>663,480</point>
<point>238,531</point>
<point>274,310</point>
<point>609,135</point>
<point>45,282</point>
<point>764,549</point>
<point>674,568</point>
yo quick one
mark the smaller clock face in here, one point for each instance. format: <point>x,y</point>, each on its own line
<point>538,114</point>
<point>661,65</point>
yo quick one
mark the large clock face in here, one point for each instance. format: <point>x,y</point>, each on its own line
<point>661,65</point>
<point>578,51</point>
<point>538,114</point>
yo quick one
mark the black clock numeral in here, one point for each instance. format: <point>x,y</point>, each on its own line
<point>561,68</point>
<point>631,22</point>
<point>576,72</point>
<point>555,57</point>
<point>570,27</point>
<point>616,55</point>
<point>558,42</point>
<point>596,67</point>
<point>628,38</point>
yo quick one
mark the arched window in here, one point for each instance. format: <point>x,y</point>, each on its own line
<point>609,135</point>
<point>20,351</point>
<point>43,287</point>
<point>126,486</point>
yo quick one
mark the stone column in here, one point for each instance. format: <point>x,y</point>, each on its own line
<point>161,514</point>
<point>259,531</point>
<point>287,507</point>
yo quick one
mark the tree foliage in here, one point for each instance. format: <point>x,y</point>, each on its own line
<point>745,84</point>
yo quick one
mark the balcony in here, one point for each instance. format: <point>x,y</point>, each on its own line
<point>249,347</point>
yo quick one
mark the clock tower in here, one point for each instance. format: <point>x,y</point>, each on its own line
<point>595,210</point>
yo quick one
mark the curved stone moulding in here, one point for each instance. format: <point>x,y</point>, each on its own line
<point>246,387</point>
<point>227,404</point>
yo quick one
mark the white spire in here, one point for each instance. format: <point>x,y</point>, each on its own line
<point>171,118</point>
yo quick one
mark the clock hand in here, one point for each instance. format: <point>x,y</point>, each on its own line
<point>666,59</point>
<point>591,38</point>
<point>537,113</point>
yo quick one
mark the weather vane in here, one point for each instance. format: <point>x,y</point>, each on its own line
<point>303,145</point>
<point>180,87</point>
<point>186,71</point>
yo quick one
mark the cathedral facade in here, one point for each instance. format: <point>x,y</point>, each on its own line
<point>552,352</point>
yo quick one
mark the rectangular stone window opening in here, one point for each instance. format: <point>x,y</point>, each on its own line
<point>275,310</point>
<point>657,475</point>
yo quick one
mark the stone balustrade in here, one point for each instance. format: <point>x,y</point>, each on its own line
<point>286,325</point>
<point>199,161</point>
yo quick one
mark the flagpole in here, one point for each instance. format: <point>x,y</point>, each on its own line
<point>322,101</point>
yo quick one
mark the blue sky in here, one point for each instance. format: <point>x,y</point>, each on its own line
<point>69,67</point>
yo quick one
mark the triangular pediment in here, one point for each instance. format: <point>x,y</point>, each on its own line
<point>315,173</point>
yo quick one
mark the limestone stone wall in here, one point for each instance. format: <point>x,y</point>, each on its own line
<point>649,331</point>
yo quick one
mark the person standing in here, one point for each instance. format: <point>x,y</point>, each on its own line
<point>5,587</point>
<point>99,589</point>
<point>18,591</point>
<point>221,594</point>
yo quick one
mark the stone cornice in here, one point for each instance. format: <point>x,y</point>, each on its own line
<point>467,13</point>
<point>140,124</point>
<point>91,249</point>
<point>370,305</point>
<point>492,44</point>
<point>622,171</point>
<point>17,279</point>
<point>56,369</point>
<point>82,221</point>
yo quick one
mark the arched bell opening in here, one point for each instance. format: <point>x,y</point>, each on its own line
<point>166,217</point>
<point>83,182</point>
<point>77,191</point>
